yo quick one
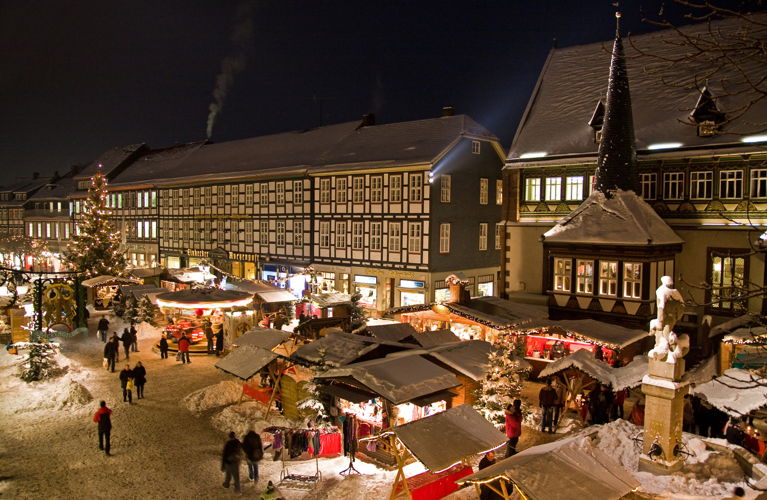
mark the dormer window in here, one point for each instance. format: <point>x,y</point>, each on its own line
<point>706,114</point>
<point>597,121</point>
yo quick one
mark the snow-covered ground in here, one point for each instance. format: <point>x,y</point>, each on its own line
<point>168,445</point>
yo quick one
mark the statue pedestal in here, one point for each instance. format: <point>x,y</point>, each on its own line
<point>664,402</point>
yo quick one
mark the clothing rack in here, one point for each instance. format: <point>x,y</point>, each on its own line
<point>291,480</point>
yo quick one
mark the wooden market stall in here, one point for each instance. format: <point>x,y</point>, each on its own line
<point>742,342</point>
<point>102,289</point>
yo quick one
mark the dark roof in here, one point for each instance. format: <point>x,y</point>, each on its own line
<point>265,338</point>
<point>244,362</point>
<point>156,163</point>
<point>436,337</point>
<point>395,332</point>
<point>498,313</point>
<point>110,160</point>
<point>60,189</point>
<point>574,79</point>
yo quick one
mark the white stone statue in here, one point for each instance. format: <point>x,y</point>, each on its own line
<point>670,305</point>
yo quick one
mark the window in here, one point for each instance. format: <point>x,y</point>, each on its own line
<point>499,192</point>
<point>444,188</point>
<point>416,187</point>
<point>280,233</point>
<point>648,184</point>
<point>701,185</point>
<point>298,191</point>
<point>483,235</point>
<point>358,189</point>
<point>248,231</point>
<point>395,237</point>
<point>483,191</point>
<point>563,273</point>
<point>139,200</point>
<point>298,233</point>
<point>553,188</point>
<point>632,280</point>
<point>584,276</point>
<point>731,184</point>
<point>444,238</point>
<point>139,229</point>
<point>728,271</point>
<point>574,188</point>
<point>357,235</point>
<point>476,147</point>
<point>154,199</point>
<point>759,183</point>
<point>533,189</point>
<point>30,230</point>
<point>324,234</point>
<point>248,194</point>
<point>608,278</point>
<point>414,237</point>
<point>154,229</point>
<point>673,185</point>
<point>395,188</point>
<point>341,193</point>
<point>234,200</point>
<point>146,199</point>
<point>375,235</point>
<point>263,236</point>
<point>325,190</point>
<point>280,193</point>
<point>498,234</point>
<point>264,195</point>
<point>146,229</point>
<point>341,234</point>
<point>376,189</point>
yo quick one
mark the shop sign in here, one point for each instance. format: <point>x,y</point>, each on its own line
<point>365,280</point>
<point>218,254</point>
<point>411,284</point>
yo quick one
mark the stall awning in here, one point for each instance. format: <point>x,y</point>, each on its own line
<point>736,392</point>
<point>444,439</point>
<point>139,291</point>
<point>351,394</point>
<point>204,298</point>
<point>579,473</point>
<point>611,335</point>
<point>276,296</point>
<point>619,378</point>
<point>266,338</point>
<point>244,362</point>
<point>107,280</point>
<point>498,313</point>
<point>732,324</point>
<point>145,272</point>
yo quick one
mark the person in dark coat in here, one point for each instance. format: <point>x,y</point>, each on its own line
<point>139,379</point>
<point>183,348</point>
<point>110,353</point>
<point>134,337</point>
<point>547,399</point>
<point>254,452</point>
<point>126,382</point>
<point>127,339</point>
<point>601,401</point>
<point>230,461</point>
<point>103,418</point>
<point>163,347</point>
<point>279,321</point>
<point>102,329</point>
<point>117,340</point>
<point>209,336</point>
<point>219,341</point>
<point>485,493</point>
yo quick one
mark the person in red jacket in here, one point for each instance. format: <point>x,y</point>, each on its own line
<point>513,426</point>
<point>183,348</point>
<point>103,417</point>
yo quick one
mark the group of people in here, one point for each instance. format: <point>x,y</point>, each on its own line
<point>129,340</point>
<point>551,399</point>
<point>215,338</point>
<point>131,379</point>
<point>251,448</point>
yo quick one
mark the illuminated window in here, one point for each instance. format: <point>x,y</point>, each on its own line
<point>632,280</point>
<point>483,235</point>
<point>563,274</point>
<point>498,234</point>
<point>574,188</point>
<point>499,192</point>
<point>608,278</point>
<point>553,188</point>
<point>728,273</point>
<point>584,276</point>
<point>533,189</point>
<point>483,191</point>
<point>701,185</point>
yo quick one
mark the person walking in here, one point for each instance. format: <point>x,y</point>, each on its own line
<point>230,461</point>
<point>127,339</point>
<point>163,347</point>
<point>126,382</point>
<point>102,328</point>
<point>219,341</point>
<point>547,399</point>
<point>513,426</point>
<point>116,340</point>
<point>103,417</point>
<point>110,354</point>
<point>134,337</point>
<point>139,379</point>
<point>183,348</point>
<point>254,452</point>
<point>559,408</point>
<point>209,336</point>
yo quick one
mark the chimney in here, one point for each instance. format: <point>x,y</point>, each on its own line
<point>368,120</point>
<point>458,292</point>
<point>448,110</point>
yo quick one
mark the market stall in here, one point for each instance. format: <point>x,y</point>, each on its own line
<point>743,344</point>
<point>102,289</point>
<point>188,311</point>
<point>268,299</point>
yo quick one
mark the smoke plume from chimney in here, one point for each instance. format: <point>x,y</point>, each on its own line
<point>242,42</point>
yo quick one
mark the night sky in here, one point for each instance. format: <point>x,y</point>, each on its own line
<point>80,77</point>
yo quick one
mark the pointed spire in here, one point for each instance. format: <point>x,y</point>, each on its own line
<point>616,164</point>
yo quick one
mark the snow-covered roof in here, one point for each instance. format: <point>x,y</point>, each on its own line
<point>574,79</point>
<point>399,379</point>
<point>245,361</point>
<point>110,160</point>
<point>208,297</point>
<point>618,378</point>
<point>336,348</point>
<point>394,332</point>
<point>736,392</point>
<point>501,314</point>
<point>139,291</point>
<point>611,335</point>
<point>579,473</point>
<point>624,219</point>
<point>446,438</point>
<point>468,358</point>
<point>105,280</point>
<point>266,338</point>
<point>330,299</point>
<point>155,164</point>
<point>436,337</point>
<point>733,323</point>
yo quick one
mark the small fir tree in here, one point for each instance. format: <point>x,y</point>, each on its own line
<point>357,318</point>
<point>131,313</point>
<point>40,363</point>
<point>502,384</point>
<point>147,311</point>
<point>95,248</point>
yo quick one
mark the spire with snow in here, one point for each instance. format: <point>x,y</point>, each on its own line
<point>616,164</point>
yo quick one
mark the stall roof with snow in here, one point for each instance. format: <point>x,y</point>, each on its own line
<point>578,473</point>
<point>736,392</point>
<point>498,313</point>
<point>264,291</point>
<point>107,280</point>
<point>469,358</point>
<point>206,298</point>
<point>395,332</point>
<point>245,361</point>
<point>398,380</point>
<point>330,299</point>
<point>436,337</point>
<point>446,438</point>
<point>266,338</point>
<point>619,378</point>
<point>728,326</point>
<point>608,334</point>
<point>139,291</point>
<point>342,348</point>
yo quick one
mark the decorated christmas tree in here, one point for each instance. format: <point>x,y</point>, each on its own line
<point>95,248</point>
<point>147,311</point>
<point>357,313</point>
<point>131,313</point>
<point>502,384</point>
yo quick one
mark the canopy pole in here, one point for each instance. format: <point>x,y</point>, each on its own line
<point>274,392</point>
<point>400,478</point>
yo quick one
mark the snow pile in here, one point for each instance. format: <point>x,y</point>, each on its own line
<point>246,416</point>
<point>74,395</point>
<point>213,396</point>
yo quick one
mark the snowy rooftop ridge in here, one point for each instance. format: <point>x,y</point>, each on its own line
<point>624,219</point>
<point>618,378</point>
<point>736,392</point>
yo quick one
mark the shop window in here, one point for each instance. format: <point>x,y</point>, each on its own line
<point>728,273</point>
<point>483,191</point>
<point>395,188</point>
<point>358,189</point>
<point>731,184</point>
<point>533,189</point>
<point>584,276</point>
<point>341,234</point>
<point>376,189</point>
<point>648,184</point>
<point>324,190</point>
<point>483,236</point>
<point>701,185</point>
<point>608,278</point>
<point>563,272</point>
<point>298,191</point>
<point>574,188</point>
<point>298,233</point>
<point>485,285</point>
<point>673,185</point>
<point>759,183</point>
<point>553,188</point>
<point>375,236</point>
<point>499,192</point>
<point>357,235</point>
<point>444,188</point>
<point>411,298</point>
<point>444,238</point>
<point>441,294</point>
<point>324,234</point>
<point>341,190</point>
<point>632,280</point>
<point>414,237</point>
<point>416,187</point>
<point>395,237</point>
